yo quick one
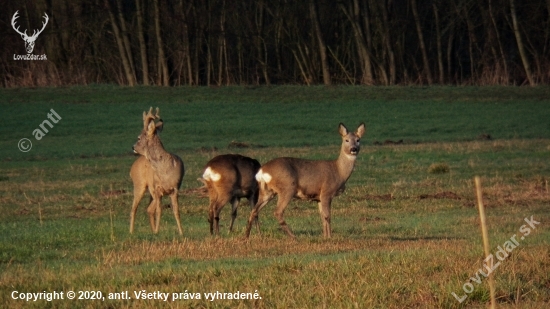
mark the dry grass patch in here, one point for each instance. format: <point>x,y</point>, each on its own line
<point>255,248</point>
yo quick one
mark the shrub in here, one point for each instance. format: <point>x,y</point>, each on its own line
<point>439,168</point>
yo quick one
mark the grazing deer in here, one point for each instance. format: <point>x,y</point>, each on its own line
<point>157,170</point>
<point>228,178</point>
<point>316,180</point>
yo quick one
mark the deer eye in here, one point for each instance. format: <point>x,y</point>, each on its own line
<point>347,140</point>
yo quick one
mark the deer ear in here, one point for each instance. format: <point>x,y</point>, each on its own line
<point>360,130</point>
<point>342,129</point>
<point>159,126</point>
<point>151,129</point>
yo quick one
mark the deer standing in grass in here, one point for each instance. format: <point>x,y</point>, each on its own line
<point>229,178</point>
<point>316,180</point>
<point>157,170</point>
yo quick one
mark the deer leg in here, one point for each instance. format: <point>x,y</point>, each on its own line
<point>138,194</point>
<point>234,206</point>
<point>216,204</point>
<point>211,212</point>
<point>175,209</point>
<point>211,218</point>
<point>282,202</point>
<point>254,213</point>
<point>152,211</point>
<point>324,211</point>
<point>252,201</point>
<point>158,212</point>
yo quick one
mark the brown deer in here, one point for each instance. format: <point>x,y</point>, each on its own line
<point>157,170</point>
<point>316,180</point>
<point>228,178</point>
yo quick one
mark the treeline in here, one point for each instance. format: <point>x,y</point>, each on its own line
<point>263,42</point>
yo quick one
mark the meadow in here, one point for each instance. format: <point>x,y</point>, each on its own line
<point>406,232</point>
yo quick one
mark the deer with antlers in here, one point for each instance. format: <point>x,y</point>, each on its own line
<point>316,180</point>
<point>29,40</point>
<point>157,170</point>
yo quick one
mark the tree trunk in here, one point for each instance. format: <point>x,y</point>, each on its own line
<point>186,48</point>
<point>130,78</point>
<point>353,14</point>
<point>451,26</point>
<point>302,70</point>
<point>320,41</point>
<point>495,29</point>
<point>142,44</point>
<point>125,38</point>
<point>521,48</point>
<point>472,45</point>
<point>199,38</point>
<point>421,43</point>
<point>438,40</point>
<point>368,36</point>
<point>259,41</point>
<point>221,47</point>
<point>162,65</point>
<point>388,43</point>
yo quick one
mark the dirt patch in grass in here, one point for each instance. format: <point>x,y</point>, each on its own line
<point>237,144</point>
<point>199,192</point>
<point>378,197</point>
<point>441,195</point>
<point>112,193</point>
<point>367,219</point>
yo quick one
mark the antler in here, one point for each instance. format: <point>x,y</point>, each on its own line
<point>34,35</point>
<point>44,23</point>
<point>15,16</point>
<point>148,117</point>
<point>24,34</point>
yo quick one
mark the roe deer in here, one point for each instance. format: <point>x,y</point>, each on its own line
<point>157,170</point>
<point>316,180</point>
<point>228,178</point>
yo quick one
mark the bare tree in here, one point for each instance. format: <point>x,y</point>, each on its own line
<point>320,41</point>
<point>281,42</point>
<point>422,46</point>
<point>163,75</point>
<point>142,44</point>
<point>353,13</point>
<point>497,35</point>
<point>521,48</point>
<point>130,77</point>
<point>438,40</point>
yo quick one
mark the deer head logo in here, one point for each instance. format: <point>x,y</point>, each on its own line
<point>29,40</point>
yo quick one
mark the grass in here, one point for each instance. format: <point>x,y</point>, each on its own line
<point>108,117</point>
<point>403,236</point>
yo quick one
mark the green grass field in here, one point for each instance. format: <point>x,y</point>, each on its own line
<point>406,233</point>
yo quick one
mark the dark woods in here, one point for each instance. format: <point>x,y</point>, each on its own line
<point>263,42</point>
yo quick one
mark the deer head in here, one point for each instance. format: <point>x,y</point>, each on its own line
<point>148,138</point>
<point>29,40</point>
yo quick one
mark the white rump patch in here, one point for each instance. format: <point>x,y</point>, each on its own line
<point>210,175</point>
<point>261,176</point>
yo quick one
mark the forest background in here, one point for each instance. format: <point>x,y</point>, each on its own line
<point>220,42</point>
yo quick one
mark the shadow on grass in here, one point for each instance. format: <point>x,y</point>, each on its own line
<point>392,238</point>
